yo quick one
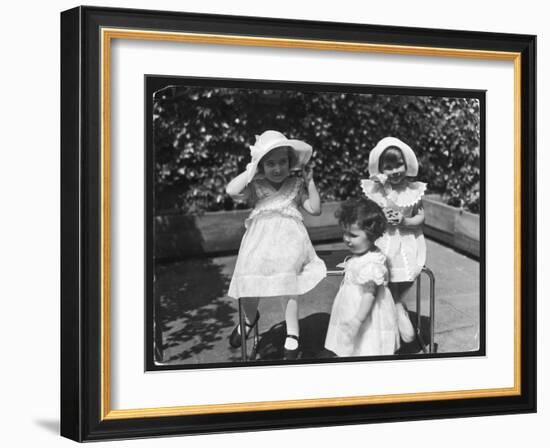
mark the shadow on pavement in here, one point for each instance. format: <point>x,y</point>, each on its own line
<point>313,330</point>
<point>195,316</point>
<point>193,313</point>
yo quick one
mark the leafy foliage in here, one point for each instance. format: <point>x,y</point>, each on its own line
<point>202,137</point>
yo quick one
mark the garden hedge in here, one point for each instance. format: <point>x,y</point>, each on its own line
<point>202,137</point>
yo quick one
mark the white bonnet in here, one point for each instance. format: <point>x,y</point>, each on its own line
<point>382,145</point>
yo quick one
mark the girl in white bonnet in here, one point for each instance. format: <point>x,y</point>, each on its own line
<point>392,168</point>
<point>276,257</point>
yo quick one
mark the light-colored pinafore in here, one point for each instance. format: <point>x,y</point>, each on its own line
<point>276,257</point>
<point>378,335</point>
<point>405,248</point>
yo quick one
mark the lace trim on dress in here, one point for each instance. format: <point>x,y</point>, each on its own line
<point>277,201</point>
<point>385,194</point>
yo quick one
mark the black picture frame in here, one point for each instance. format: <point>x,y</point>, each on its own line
<point>85,410</point>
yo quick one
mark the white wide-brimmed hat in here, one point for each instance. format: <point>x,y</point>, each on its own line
<point>270,140</point>
<point>382,145</point>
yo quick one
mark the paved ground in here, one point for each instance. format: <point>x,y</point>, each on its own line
<point>197,317</point>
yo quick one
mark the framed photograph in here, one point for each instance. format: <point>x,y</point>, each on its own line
<point>359,199</point>
<point>196,129</point>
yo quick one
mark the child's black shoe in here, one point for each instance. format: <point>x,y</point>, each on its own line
<point>235,336</point>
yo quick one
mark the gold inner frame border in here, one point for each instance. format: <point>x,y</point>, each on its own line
<point>107,35</point>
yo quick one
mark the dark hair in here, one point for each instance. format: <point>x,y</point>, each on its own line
<point>365,213</point>
<point>292,159</point>
<point>390,155</point>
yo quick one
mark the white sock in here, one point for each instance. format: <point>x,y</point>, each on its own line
<point>292,325</point>
<point>406,329</point>
<point>291,343</point>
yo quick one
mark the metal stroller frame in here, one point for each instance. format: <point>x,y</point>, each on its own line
<point>420,340</point>
<point>431,277</point>
<point>255,332</point>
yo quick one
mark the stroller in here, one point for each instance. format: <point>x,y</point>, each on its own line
<point>331,258</point>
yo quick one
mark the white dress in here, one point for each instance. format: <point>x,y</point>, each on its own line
<point>378,333</point>
<point>276,257</point>
<point>405,248</point>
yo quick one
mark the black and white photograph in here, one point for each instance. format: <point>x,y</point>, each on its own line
<point>285,222</point>
<point>310,223</point>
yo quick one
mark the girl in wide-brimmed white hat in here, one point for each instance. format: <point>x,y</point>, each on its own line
<point>276,257</point>
<point>392,168</point>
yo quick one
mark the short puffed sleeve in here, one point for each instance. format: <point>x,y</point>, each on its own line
<point>370,270</point>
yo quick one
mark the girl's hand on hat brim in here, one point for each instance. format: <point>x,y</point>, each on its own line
<point>249,172</point>
<point>307,174</point>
